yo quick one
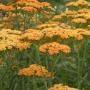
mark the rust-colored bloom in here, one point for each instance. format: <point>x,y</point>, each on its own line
<point>35,70</point>
<point>28,9</point>
<point>6,7</point>
<point>54,48</point>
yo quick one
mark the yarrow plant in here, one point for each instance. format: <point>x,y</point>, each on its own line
<point>35,70</point>
<point>44,50</point>
<point>61,87</point>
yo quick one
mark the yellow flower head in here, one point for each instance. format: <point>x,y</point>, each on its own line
<point>78,3</point>
<point>79,20</point>
<point>32,35</point>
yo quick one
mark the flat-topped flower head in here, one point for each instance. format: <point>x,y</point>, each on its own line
<point>62,33</point>
<point>35,70</point>
<point>54,48</point>
<point>6,7</point>
<point>61,87</point>
<point>78,3</point>
<point>79,20</point>
<point>29,9</point>
<point>12,39</point>
<point>47,25</point>
<point>32,34</point>
<point>33,3</point>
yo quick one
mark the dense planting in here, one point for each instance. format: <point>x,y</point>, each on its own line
<point>42,50</point>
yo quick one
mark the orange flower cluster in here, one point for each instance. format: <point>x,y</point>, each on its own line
<point>54,48</point>
<point>84,10</point>
<point>12,39</point>
<point>33,3</point>
<point>35,70</point>
<point>63,33</point>
<point>85,13</point>
<point>47,25</point>
<point>80,16</point>
<point>6,7</point>
<point>22,45</point>
<point>61,87</point>
<point>50,32</point>
<point>25,11</point>
<point>79,20</point>
<point>28,9</point>
<point>67,13</point>
<point>22,40</point>
<point>27,5</point>
<point>78,3</point>
<point>32,34</point>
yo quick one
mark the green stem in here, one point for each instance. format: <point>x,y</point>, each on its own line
<point>34,84</point>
